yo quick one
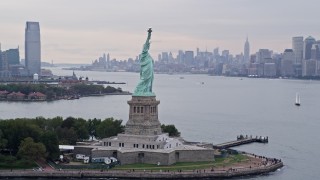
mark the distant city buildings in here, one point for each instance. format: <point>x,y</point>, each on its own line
<point>33,48</point>
<point>12,68</point>
<point>9,63</point>
<point>302,60</point>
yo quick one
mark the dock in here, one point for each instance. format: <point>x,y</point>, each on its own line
<point>241,140</point>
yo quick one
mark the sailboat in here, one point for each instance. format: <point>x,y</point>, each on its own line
<point>297,103</point>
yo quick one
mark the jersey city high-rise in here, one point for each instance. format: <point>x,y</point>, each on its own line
<point>33,48</point>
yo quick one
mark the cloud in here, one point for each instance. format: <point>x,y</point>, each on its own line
<point>80,30</point>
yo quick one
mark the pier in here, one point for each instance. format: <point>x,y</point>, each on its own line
<point>241,140</point>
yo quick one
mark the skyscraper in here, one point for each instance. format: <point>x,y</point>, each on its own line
<point>262,55</point>
<point>33,48</point>
<point>297,47</point>
<point>246,53</point>
<point>315,52</point>
<point>288,59</point>
<point>308,42</point>
<point>188,57</point>
<point>13,56</point>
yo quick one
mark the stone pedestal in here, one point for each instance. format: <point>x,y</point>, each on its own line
<point>143,116</point>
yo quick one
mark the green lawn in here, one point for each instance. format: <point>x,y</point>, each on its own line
<point>11,162</point>
<point>219,162</point>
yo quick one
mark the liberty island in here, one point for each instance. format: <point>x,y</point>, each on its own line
<point>144,143</point>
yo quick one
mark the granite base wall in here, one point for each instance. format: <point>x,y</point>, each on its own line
<point>194,155</point>
<point>146,157</point>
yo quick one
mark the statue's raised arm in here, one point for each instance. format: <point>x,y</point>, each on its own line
<point>144,87</point>
<point>146,45</point>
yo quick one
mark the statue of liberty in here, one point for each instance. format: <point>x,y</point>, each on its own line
<point>144,87</point>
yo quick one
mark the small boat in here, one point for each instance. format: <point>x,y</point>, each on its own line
<point>297,103</point>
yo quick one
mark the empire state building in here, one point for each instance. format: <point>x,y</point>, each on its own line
<point>246,51</point>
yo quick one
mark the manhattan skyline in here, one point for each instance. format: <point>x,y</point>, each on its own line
<point>78,31</point>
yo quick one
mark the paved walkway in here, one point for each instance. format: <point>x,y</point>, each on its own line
<point>255,165</point>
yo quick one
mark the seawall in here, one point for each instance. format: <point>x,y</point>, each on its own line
<point>122,174</point>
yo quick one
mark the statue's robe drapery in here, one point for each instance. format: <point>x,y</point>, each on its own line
<point>144,87</point>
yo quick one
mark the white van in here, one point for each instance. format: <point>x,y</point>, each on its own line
<point>107,160</point>
<point>86,160</point>
<point>113,159</point>
<point>80,156</point>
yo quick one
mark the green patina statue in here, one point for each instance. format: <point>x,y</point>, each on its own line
<point>144,87</point>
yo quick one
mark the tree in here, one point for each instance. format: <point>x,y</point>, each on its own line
<point>171,129</point>
<point>28,149</point>
<point>3,141</point>
<point>69,122</point>
<point>109,127</point>
<point>67,136</point>
<point>55,122</point>
<point>19,129</point>
<point>51,142</point>
<point>81,127</point>
<point>92,126</point>
<point>110,89</point>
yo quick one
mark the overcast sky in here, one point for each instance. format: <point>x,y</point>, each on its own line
<point>79,31</point>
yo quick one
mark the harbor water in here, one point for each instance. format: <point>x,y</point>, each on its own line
<point>212,109</point>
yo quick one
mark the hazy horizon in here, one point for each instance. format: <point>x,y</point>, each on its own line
<point>78,31</point>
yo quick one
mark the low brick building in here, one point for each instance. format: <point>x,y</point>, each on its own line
<point>16,96</point>
<point>3,94</point>
<point>37,96</point>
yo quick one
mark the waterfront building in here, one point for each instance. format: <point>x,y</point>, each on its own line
<point>308,42</point>
<point>10,63</point>
<point>188,57</point>
<point>287,62</point>
<point>297,47</point>
<point>33,48</point>
<point>269,70</point>
<point>255,70</point>
<point>246,54</point>
<point>13,57</point>
<point>4,66</point>
<point>262,55</point>
<point>164,57</point>
<point>309,67</point>
<point>37,96</point>
<point>315,53</point>
<point>16,96</point>
<point>3,61</point>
